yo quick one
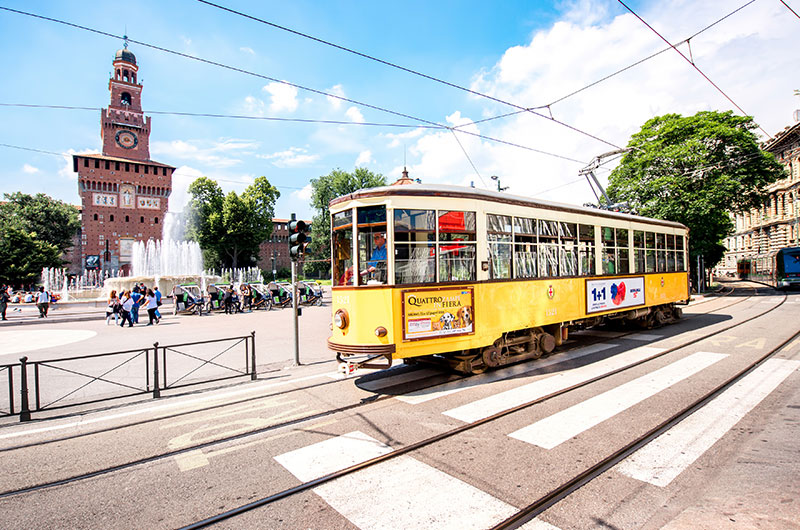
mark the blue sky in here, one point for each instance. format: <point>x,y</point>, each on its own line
<point>525,52</point>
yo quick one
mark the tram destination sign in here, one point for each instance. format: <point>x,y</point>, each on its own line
<point>614,293</point>
<point>432,313</point>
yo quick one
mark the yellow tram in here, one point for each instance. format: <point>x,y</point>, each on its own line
<point>477,279</point>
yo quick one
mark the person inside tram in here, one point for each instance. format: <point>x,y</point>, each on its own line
<point>376,266</point>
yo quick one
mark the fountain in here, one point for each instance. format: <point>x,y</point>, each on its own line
<point>165,263</point>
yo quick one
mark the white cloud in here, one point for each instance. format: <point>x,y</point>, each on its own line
<point>292,157</point>
<point>336,90</point>
<point>247,50</point>
<point>66,170</point>
<point>354,115</point>
<point>303,194</point>
<point>403,138</point>
<point>205,153</point>
<point>364,158</point>
<point>27,168</point>
<point>588,44</point>
<point>254,106</point>
<point>283,97</point>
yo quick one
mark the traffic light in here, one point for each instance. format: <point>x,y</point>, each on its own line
<point>298,239</point>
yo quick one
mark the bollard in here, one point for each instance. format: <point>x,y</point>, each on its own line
<point>254,375</point>
<point>25,412</point>
<point>156,390</point>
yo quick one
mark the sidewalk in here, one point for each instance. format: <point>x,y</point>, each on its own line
<point>21,314</point>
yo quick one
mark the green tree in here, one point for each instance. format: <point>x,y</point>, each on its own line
<point>230,228</point>
<point>695,170</point>
<point>325,189</point>
<point>23,254</point>
<point>53,221</point>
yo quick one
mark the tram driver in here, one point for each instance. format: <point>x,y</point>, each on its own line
<point>376,266</point>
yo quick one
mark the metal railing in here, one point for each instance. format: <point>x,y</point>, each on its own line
<point>81,380</point>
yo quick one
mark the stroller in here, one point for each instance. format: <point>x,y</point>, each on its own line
<point>309,293</point>
<point>280,294</point>
<point>187,299</point>
<point>216,293</point>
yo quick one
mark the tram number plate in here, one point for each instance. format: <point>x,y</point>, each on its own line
<point>614,293</point>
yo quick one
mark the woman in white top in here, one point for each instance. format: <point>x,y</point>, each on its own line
<point>152,307</point>
<point>127,305</point>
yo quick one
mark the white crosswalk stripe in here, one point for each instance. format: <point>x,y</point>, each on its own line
<point>429,498</point>
<point>438,391</point>
<point>663,459</point>
<point>495,403</point>
<point>560,427</point>
<point>644,337</point>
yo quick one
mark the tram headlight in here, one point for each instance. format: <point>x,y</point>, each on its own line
<point>380,331</point>
<point>341,319</point>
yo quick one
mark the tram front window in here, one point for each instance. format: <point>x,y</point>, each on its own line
<point>343,248</point>
<point>372,256</point>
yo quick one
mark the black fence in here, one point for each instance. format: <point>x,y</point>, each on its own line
<point>70,381</point>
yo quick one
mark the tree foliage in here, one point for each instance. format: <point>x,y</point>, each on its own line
<point>53,221</point>
<point>695,170</point>
<point>325,189</point>
<point>230,228</point>
<point>35,230</point>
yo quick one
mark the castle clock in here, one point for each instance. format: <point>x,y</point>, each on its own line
<point>127,139</point>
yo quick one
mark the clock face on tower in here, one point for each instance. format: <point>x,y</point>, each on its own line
<point>127,139</point>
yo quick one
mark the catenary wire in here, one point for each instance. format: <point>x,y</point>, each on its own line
<point>62,155</point>
<point>687,59</point>
<point>409,70</point>
<point>313,90</point>
<point>790,9</point>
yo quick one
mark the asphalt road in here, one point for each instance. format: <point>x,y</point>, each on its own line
<point>298,423</point>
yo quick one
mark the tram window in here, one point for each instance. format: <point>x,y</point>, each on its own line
<point>586,249</point>
<point>623,251</point>
<point>568,253</point>
<point>414,247</point>
<point>499,241</point>
<point>638,251</point>
<point>650,240</point>
<point>609,252</point>
<point>457,256</point>
<point>372,253</point>
<point>680,265</point>
<point>343,248</point>
<point>525,248</point>
<point>670,261</point>
<point>679,242</point>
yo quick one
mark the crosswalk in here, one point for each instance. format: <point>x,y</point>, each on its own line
<point>423,496</point>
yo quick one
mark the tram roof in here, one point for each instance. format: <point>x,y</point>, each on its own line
<point>461,192</point>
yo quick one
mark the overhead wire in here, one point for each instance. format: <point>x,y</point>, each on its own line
<point>268,78</point>
<point>790,9</point>
<point>622,70</point>
<point>63,155</point>
<point>691,62</point>
<point>408,70</point>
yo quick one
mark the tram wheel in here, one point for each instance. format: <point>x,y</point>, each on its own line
<point>493,356</point>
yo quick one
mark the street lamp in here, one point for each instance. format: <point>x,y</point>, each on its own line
<point>499,188</point>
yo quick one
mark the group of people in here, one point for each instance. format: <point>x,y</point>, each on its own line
<point>42,298</point>
<point>125,307</point>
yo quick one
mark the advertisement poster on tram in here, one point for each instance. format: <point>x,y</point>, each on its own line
<point>437,313</point>
<point>614,293</point>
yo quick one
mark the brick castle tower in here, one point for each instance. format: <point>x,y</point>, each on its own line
<point>124,194</point>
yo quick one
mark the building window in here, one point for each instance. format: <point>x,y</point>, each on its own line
<point>97,164</point>
<point>146,169</point>
<point>108,165</point>
<point>127,218</point>
<point>156,220</point>
<point>116,166</point>
<point>111,217</point>
<point>95,217</point>
<point>141,219</point>
<point>85,162</point>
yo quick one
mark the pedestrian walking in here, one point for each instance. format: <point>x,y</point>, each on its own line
<point>4,299</point>
<point>227,300</point>
<point>158,301</point>
<point>113,307</point>
<point>125,310</point>
<point>138,300</point>
<point>151,303</point>
<point>43,302</point>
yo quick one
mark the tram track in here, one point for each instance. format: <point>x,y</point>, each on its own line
<point>558,493</point>
<point>327,413</point>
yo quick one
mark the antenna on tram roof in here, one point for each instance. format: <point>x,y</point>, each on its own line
<point>588,172</point>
